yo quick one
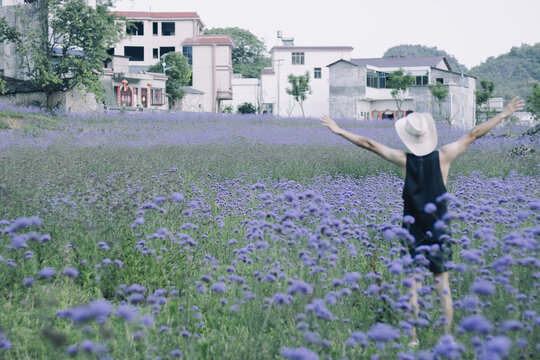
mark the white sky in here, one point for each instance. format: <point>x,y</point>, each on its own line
<point>471,30</point>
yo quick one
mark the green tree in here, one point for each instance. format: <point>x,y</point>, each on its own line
<point>7,34</point>
<point>439,92</point>
<point>70,47</point>
<point>247,108</point>
<point>248,56</point>
<point>299,89</point>
<point>533,102</point>
<point>179,73</point>
<point>399,82</point>
<point>512,72</point>
<point>482,100</point>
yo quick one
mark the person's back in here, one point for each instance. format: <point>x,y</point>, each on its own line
<point>422,202</point>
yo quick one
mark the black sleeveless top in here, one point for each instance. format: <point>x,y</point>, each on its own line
<point>423,184</point>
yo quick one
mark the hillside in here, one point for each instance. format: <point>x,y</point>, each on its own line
<point>513,73</point>
<point>421,50</point>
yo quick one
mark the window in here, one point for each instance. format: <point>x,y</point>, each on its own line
<point>110,51</point>
<point>440,80</point>
<point>376,79</point>
<point>167,29</point>
<point>187,51</point>
<point>157,96</point>
<point>421,80</point>
<point>155,53</point>
<point>298,58</point>
<point>135,53</point>
<point>135,28</point>
<point>154,28</point>
<point>317,73</point>
<point>165,49</point>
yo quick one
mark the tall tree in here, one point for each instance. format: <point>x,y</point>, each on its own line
<point>179,73</point>
<point>249,55</point>
<point>482,100</point>
<point>439,92</point>
<point>299,89</point>
<point>533,102</point>
<point>70,47</point>
<point>399,82</point>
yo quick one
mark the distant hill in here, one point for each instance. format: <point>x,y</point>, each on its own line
<point>513,73</point>
<point>421,50</point>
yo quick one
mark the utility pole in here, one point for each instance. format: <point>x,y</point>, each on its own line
<point>163,64</point>
<point>462,101</point>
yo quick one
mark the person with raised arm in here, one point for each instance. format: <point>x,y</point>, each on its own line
<point>424,205</point>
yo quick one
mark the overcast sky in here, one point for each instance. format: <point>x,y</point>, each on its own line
<point>471,30</point>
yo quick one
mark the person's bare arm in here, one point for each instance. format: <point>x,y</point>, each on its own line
<point>450,151</point>
<point>394,156</point>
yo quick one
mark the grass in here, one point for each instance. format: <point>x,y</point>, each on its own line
<point>87,195</point>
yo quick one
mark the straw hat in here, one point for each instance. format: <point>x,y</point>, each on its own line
<point>418,133</point>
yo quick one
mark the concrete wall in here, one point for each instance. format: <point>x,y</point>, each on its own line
<point>75,100</point>
<point>203,75</point>
<point>22,17</point>
<point>33,98</point>
<point>268,92</point>
<point>190,102</point>
<point>244,90</point>
<point>345,89</point>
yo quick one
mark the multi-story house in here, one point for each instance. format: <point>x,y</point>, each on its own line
<point>154,34</point>
<point>358,89</point>
<point>297,60</point>
<point>123,86</point>
<point>210,57</point>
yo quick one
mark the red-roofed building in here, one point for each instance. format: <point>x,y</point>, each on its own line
<point>210,56</point>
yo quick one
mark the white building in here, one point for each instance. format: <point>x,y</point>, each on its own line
<point>358,89</point>
<point>211,60</point>
<point>297,60</point>
<point>154,34</point>
<point>245,90</point>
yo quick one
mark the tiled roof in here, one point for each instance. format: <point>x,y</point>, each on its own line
<point>209,40</point>
<point>393,62</point>
<point>191,90</point>
<point>156,15</point>
<point>267,71</point>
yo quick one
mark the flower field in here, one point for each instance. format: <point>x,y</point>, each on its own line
<point>206,236</point>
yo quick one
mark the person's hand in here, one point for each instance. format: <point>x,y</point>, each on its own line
<point>329,123</point>
<point>516,104</point>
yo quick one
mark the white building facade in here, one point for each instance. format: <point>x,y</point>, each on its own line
<point>297,60</point>
<point>244,90</point>
<point>154,34</point>
<point>358,89</point>
<point>210,58</point>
